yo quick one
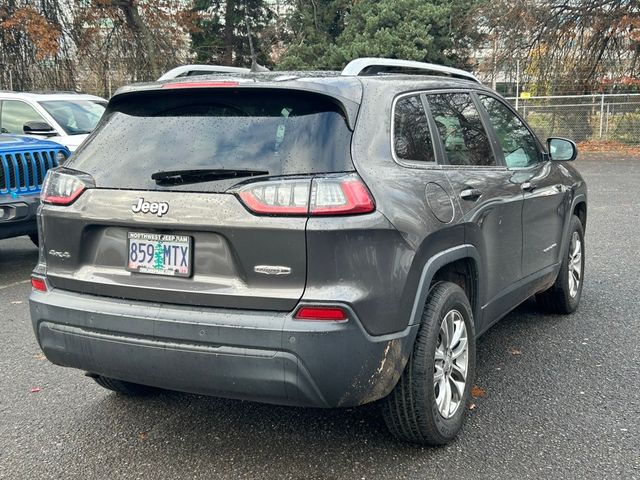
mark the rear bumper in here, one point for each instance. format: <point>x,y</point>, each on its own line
<point>252,355</point>
<point>18,215</point>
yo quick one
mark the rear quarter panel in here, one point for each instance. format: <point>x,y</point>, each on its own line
<point>400,197</point>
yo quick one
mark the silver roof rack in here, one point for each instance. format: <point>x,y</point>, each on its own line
<point>373,66</point>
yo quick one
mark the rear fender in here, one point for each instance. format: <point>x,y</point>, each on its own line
<point>435,263</point>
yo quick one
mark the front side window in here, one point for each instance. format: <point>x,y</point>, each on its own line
<point>411,136</point>
<point>15,114</point>
<point>518,144</point>
<point>463,136</point>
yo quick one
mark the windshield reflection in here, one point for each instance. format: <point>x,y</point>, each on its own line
<point>76,117</point>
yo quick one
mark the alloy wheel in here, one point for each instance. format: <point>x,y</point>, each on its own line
<point>575,264</point>
<point>451,363</point>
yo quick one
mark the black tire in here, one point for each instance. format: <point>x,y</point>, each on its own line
<point>558,298</point>
<point>34,239</point>
<point>411,411</point>
<point>124,388</point>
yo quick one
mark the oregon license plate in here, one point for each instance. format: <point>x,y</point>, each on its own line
<point>159,254</point>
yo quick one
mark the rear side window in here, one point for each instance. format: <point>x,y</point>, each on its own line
<point>463,136</point>
<point>411,136</point>
<point>282,132</point>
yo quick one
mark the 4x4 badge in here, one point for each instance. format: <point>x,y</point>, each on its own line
<point>159,208</point>
<point>272,269</point>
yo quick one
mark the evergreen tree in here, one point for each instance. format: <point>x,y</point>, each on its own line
<point>330,35</point>
<point>314,27</point>
<point>158,255</point>
<point>220,34</point>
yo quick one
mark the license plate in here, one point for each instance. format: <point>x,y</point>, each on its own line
<point>159,254</point>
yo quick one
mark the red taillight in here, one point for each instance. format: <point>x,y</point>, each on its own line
<point>63,187</point>
<point>200,84</point>
<point>344,195</point>
<point>332,314</point>
<point>340,198</point>
<point>66,199</point>
<point>38,284</point>
<point>286,197</point>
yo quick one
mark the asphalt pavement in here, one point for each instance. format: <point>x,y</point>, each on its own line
<point>559,396</point>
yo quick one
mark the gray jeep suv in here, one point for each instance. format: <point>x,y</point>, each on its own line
<point>310,239</point>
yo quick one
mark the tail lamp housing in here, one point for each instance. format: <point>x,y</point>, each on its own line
<point>331,195</point>
<point>63,186</point>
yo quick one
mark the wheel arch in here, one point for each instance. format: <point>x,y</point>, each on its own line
<point>580,210</point>
<point>460,265</point>
<point>578,207</point>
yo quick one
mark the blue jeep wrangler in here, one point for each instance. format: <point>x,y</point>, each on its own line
<point>24,161</point>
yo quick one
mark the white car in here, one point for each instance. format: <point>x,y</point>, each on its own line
<point>192,70</point>
<point>65,118</point>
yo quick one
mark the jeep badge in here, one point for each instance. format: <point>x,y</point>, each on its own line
<point>159,208</point>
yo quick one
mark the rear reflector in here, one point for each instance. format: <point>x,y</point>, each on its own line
<point>38,284</point>
<point>200,84</point>
<point>335,314</point>
<point>332,195</point>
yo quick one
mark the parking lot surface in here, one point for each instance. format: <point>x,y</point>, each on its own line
<point>558,397</point>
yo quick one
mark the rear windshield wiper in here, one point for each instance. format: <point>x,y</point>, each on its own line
<point>184,177</point>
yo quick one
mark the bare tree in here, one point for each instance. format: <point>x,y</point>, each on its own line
<point>93,45</point>
<point>568,46</point>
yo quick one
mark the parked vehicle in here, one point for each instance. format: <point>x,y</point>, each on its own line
<point>306,239</point>
<point>24,162</point>
<point>63,117</point>
<point>195,70</point>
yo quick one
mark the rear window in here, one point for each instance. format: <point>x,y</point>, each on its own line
<point>278,131</point>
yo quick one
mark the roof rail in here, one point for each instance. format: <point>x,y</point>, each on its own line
<point>49,92</point>
<point>373,66</point>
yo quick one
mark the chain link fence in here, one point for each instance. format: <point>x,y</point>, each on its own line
<point>594,118</point>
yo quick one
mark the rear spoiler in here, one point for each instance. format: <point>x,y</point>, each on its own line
<point>346,95</point>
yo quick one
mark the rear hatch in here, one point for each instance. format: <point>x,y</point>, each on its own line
<point>151,206</point>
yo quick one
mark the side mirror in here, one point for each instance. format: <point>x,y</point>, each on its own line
<point>561,149</point>
<point>38,128</point>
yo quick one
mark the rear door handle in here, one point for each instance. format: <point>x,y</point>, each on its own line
<point>470,194</point>
<point>528,186</point>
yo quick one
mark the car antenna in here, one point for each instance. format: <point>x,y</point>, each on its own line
<point>255,66</point>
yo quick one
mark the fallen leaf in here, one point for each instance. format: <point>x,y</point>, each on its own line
<point>142,435</point>
<point>515,351</point>
<point>477,392</point>
<point>597,146</point>
<point>35,389</point>
<point>39,356</point>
